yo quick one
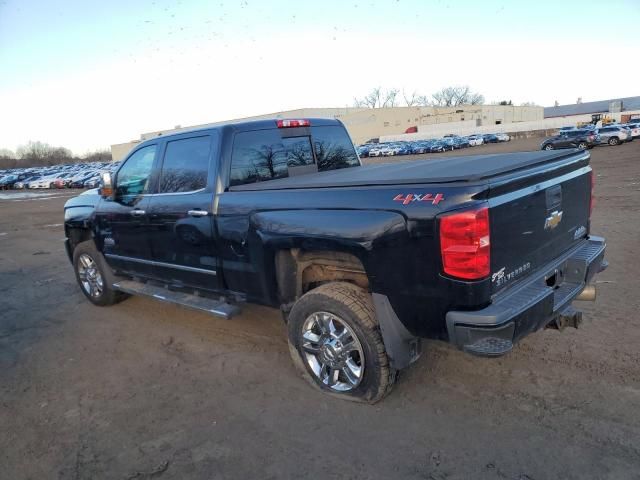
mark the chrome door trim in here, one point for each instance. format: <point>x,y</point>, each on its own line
<point>153,263</point>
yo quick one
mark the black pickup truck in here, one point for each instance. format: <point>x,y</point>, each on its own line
<point>363,260</point>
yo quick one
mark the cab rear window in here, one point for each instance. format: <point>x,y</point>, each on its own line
<point>263,155</point>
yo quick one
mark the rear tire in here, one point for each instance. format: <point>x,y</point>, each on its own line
<point>548,146</point>
<point>94,275</point>
<point>335,341</point>
<point>582,145</point>
<point>613,141</point>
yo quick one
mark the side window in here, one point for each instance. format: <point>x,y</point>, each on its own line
<point>133,177</point>
<point>186,165</point>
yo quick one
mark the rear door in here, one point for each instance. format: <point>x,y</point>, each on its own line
<point>263,155</point>
<point>180,216</point>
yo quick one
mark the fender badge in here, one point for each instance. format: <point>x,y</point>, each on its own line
<point>553,220</point>
<point>419,197</point>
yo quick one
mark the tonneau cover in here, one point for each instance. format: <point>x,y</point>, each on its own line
<point>470,168</point>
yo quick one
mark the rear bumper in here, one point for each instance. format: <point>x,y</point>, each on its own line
<point>529,306</point>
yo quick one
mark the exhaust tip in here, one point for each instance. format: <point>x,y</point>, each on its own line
<point>588,294</point>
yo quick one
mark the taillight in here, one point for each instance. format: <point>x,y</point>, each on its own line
<point>293,123</point>
<point>591,199</point>
<point>465,244</point>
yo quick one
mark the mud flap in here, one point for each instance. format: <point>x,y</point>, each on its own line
<point>402,347</point>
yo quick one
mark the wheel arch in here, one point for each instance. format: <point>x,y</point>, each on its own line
<point>307,248</point>
<point>298,271</point>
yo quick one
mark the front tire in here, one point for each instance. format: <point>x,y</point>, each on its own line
<point>335,340</point>
<point>614,141</point>
<point>582,145</point>
<point>548,147</point>
<point>94,276</point>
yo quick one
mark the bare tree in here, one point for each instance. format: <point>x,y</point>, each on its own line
<point>454,96</point>
<point>423,101</point>
<point>98,156</point>
<point>410,100</point>
<point>372,100</point>
<point>390,97</point>
<point>40,154</point>
<point>378,98</point>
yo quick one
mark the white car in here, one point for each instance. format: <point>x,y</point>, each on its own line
<point>635,129</point>
<point>374,152</point>
<point>474,140</point>
<point>503,137</point>
<point>387,151</point>
<point>44,182</point>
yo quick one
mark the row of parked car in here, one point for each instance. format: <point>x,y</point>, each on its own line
<point>591,136</point>
<point>78,175</point>
<point>448,142</point>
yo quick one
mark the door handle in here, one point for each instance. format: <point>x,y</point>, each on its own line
<point>137,212</point>
<point>198,213</point>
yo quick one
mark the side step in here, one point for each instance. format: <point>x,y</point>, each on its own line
<point>219,308</point>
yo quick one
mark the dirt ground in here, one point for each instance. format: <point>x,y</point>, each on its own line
<point>145,390</point>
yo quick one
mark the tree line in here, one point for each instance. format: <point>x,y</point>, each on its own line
<point>40,154</point>
<point>446,97</point>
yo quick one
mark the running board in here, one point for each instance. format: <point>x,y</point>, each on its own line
<point>219,308</point>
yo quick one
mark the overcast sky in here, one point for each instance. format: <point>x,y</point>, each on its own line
<point>86,74</point>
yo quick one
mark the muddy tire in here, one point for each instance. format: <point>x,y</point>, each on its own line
<point>94,276</point>
<point>335,341</point>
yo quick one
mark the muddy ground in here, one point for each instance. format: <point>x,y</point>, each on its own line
<point>147,390</point>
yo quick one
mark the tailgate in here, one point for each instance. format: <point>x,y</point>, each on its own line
<point>536,218</point>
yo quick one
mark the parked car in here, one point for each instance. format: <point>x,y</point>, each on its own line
<point>612,135</point>
<point>475,140</point>
<point>8,181</point>
<point>490,138</point>
<point>581,139</point>
<point>93,182</point>
<point>503,137</point>
<point>375,151</point>
<point>635,129</point>
<point>627,129</point>
<point>41,182</point>
<point>363,262</point>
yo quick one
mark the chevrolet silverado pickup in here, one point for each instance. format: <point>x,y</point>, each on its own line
<point>364,261</point>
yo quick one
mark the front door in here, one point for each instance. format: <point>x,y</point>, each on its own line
<point>123,230</point>
<point>182,234</point>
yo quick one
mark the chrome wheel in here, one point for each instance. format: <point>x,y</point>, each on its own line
<point>548,147</point>
<point>89,276</point>
<point>332,351</point>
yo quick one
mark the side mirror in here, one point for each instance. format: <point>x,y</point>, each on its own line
<point>106,185</point>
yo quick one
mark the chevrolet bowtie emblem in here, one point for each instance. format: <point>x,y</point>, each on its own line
<point>553,220</point>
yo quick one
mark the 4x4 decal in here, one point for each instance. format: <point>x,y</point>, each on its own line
<point>419,197</point>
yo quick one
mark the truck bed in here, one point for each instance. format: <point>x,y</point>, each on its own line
<point>470,168</point>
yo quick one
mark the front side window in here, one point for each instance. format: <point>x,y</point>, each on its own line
<point>186,165</point>
<point>133,177</point>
